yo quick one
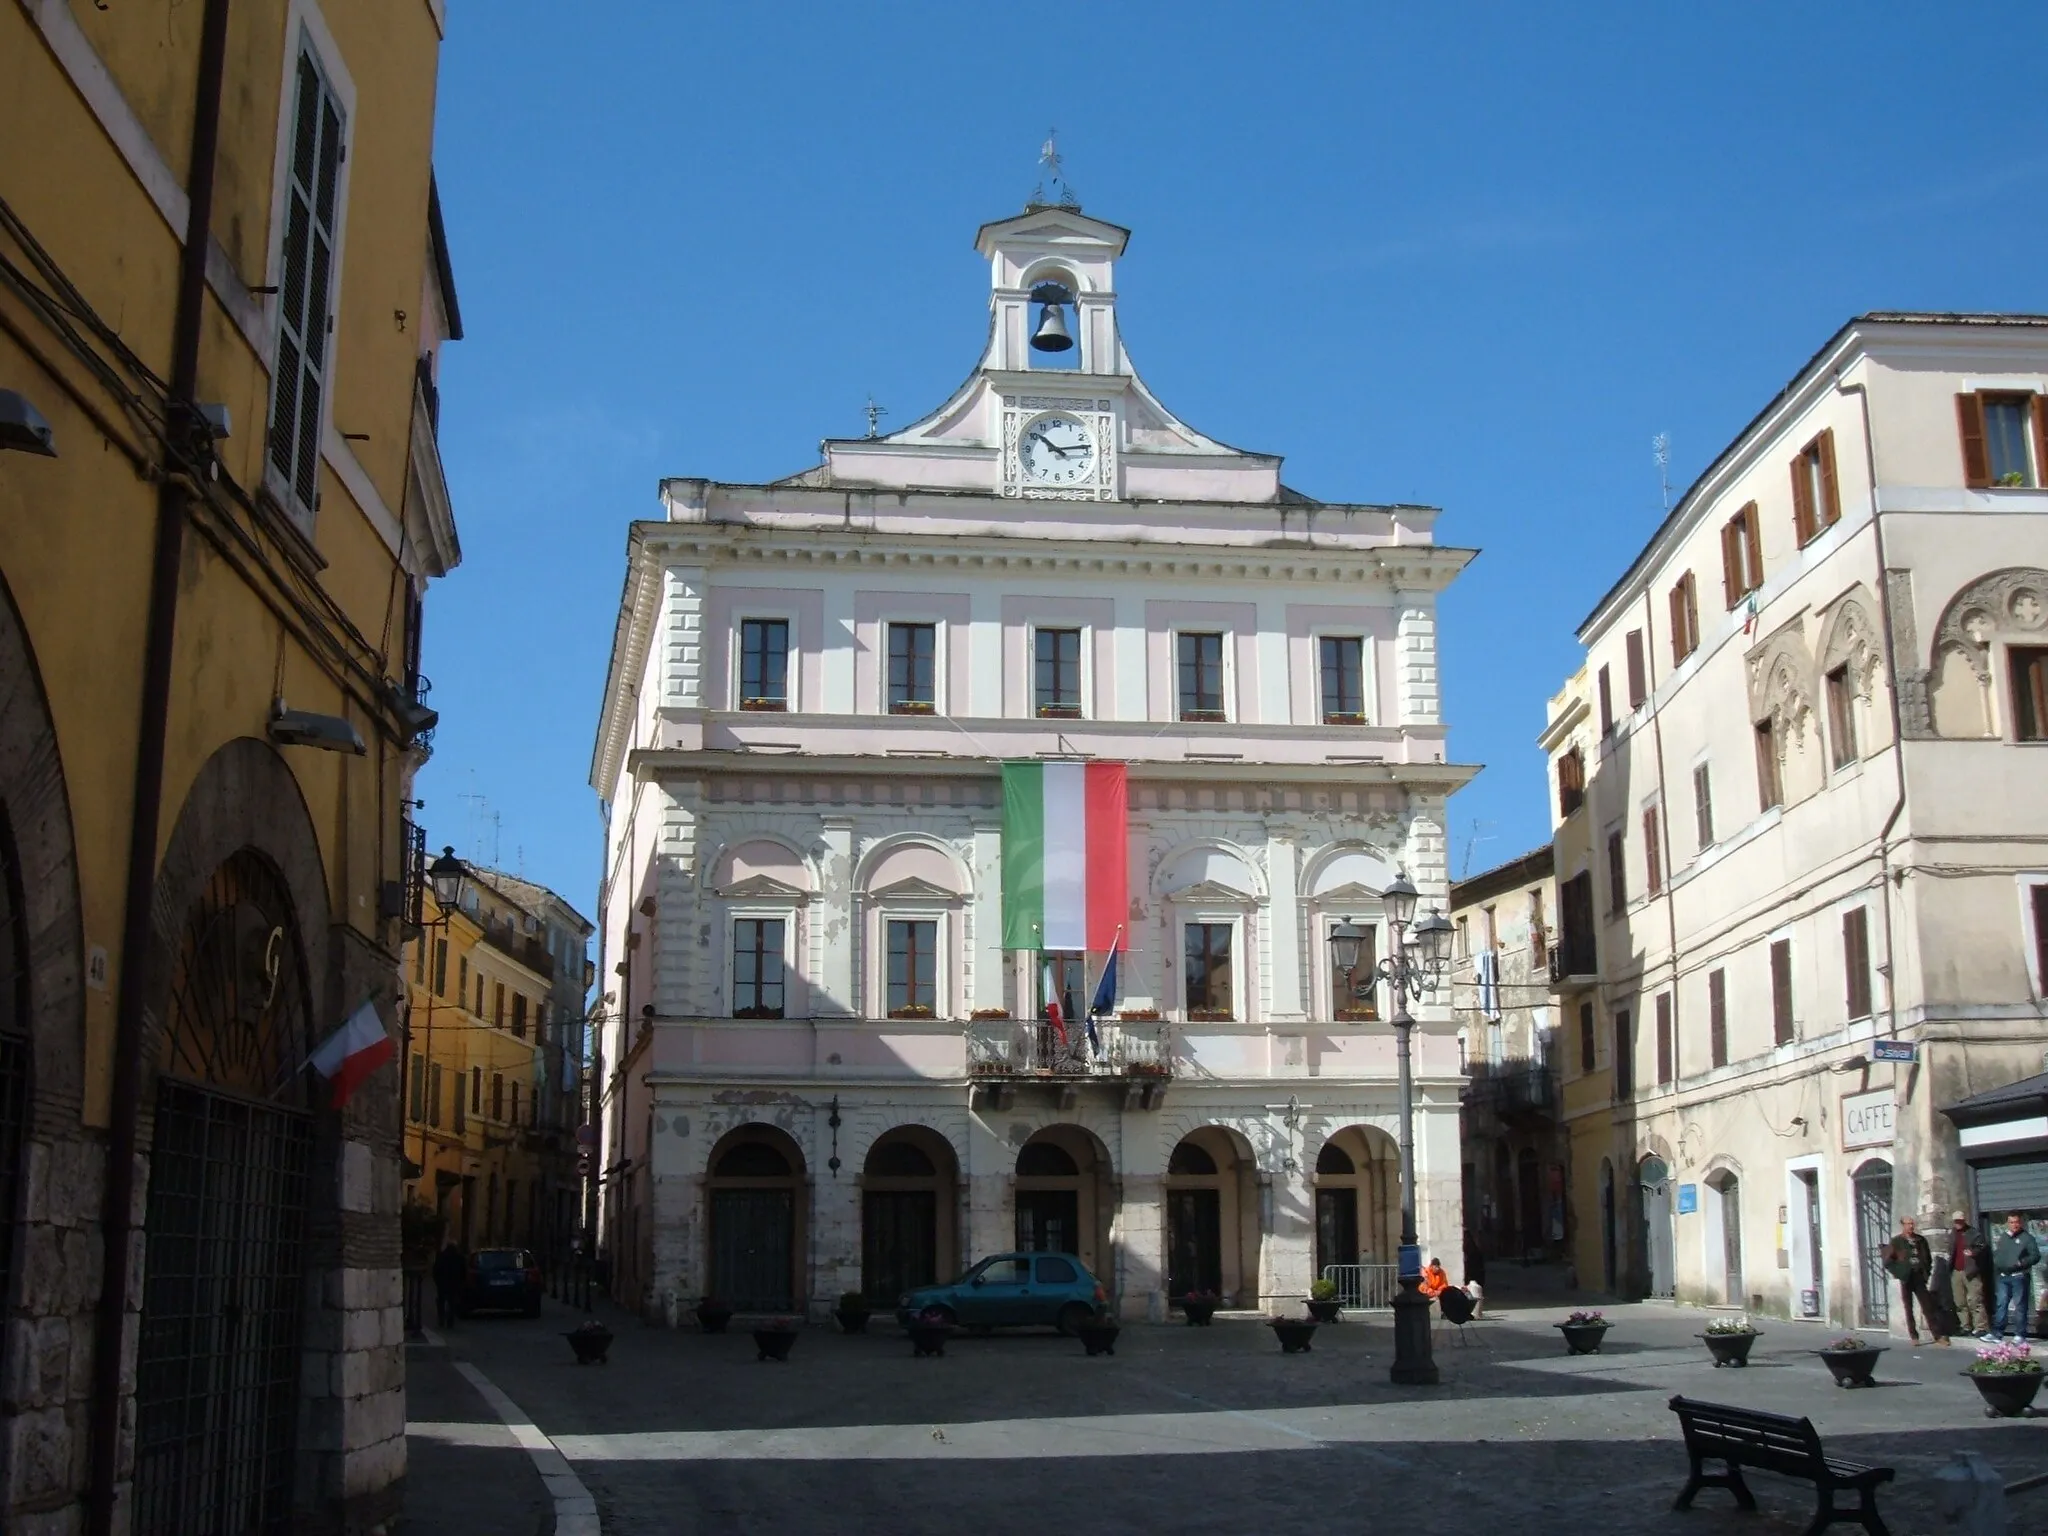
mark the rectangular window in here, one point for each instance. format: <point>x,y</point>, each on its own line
<point>1201,677</point>
<point>1856,961</point>
<point>1069,983</point>
<point>479,995</point>
<point>1617,872</point>
<point>498,1005</point>
<point>1571,782</point>
<point>419,1088</point>
<point>1343,658</point>
<point>1638,674</point>
<point>461,1119</point>
<point>476,1090</point>
<point>757,968</point>
<point>440,967</point>
<point>1206,953</point>
<point>1624,1054</point>
<point>1491,926</point>
<point>1588,1047</point>
<point>1717,1017</point>
<point>1606,703</point>
<point>1769,788</point>
<point>498,1096</point>
<point>515,1103</point>
<point>764,664</point>
<point>1357,993</point>
<point>434,1094</point>
<point>1667,1046</point>
<point>913,668</point>
<point>305,297</point>
<point>1703,807</point>
<point>2029,666</point>
<point>1995,432</point>
<point>1685,619</point>
<point>1842,717</point>
<point>1539,934</point>
<point>2039,895</point>
<point>913,969</point>
<point>518,1016</point>
<point>1058,678</point>
<point>1781,991</point>
<point>462,977</point>
<point>1581,956</point>
<point>1742,555</point>
<point>419,962</point>
<point>1816,501</point>
<point>1653,851</point>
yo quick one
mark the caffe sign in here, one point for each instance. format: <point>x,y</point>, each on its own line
<point>1867,1119</point>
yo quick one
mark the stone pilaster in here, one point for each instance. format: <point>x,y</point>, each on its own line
<point>1415,669</point>
<point>680,989</point>
<point>835,995</point>
<point>682,636</point>
<point>1141,1248</point>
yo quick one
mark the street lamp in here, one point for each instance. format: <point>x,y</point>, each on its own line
<point>447,875</point>
<point>1415,966</point>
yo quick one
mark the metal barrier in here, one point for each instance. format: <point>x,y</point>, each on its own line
<point>1370,1287</point>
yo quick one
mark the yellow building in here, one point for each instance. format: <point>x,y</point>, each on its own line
<point>223,291</point>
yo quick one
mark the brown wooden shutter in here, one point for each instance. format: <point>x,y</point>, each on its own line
<point>1802,498</point>
<point>1624,1054</point>
<point>1717,1017</point>
<point>1606,702</point>
<point>2040,895</point>
<point>1653,854</point>
<point>1731,560</point>
<point>1638,685</point>
<point>1856,961</point>
<point>2041,439</point>
<point>1781,991</point>
<point>1666,1045</point>
<point>1976,462</point>
<point>1830,509</point>
<point>1679,649</point>
<point>1753,547</point>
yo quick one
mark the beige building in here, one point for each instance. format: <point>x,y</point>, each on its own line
<point>1800,845</point>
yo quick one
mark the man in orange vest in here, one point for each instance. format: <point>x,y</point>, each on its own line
<point>1434,1280</point>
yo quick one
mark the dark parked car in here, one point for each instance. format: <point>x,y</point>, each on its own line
<point>1012,1290</point>
<point>502,1279</point>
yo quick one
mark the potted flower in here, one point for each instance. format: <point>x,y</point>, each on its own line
<point>1293,1333</point>
<point>989,1013</point>
<point>1850,1360</point>
<point>2007,1376</point>
<point>1145,1069</point>
<point>1728,1340</point>
<point>911,1011</point>
<point>590,1341</point>
<point>712,1314</point>
<point>853,1312</point>
<point>929,1331</point>
<point>1098,1333</point>
<point>1199,1307</point>
<point>1138,1015</point>
<point>774,1338</point>
<point>1583,1332</point>
<point>1323,1304</point>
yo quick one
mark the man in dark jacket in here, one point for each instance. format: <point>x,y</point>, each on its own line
<point>1969,1259</point>
<point>2013,1258</point>
<point>1909,1261</point>
<point>448,1276</point>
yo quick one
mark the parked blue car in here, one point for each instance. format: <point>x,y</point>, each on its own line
<point>1012,1290</point>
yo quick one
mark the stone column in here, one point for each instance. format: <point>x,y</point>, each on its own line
<point>1283,957</point>
<point>1141,1248</point>
<point>834,994</point>
<point>1415,672</point>
<point>683,591</point>
<point>677,988</point>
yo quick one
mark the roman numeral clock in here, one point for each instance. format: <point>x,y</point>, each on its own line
<point>1059,448</point>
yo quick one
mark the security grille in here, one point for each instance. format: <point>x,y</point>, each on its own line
<point>13,1057</point>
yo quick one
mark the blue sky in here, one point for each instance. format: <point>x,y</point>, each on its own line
<point>1475,256</point>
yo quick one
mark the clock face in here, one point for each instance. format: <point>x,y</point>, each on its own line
<point>1056,449</point>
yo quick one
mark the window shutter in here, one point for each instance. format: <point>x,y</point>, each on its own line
<point>1752,548</point>
<point>1781,991</point>
<point>1606,702</point>
<point>1802,498</point>
<point>305,289</point>
<point>1653,854</point>
<point>1703,806</point>
<point>2039,894</point>
<point>1638,688</point>
<point>1970,419</point>
<point>1731,561</point>
<point>1856,960</point>
<point>1830,488</point>
<point>1717,1016</point>
<point>1666,1044</point>
<point>1677,624</point>
<point>2041,439</point>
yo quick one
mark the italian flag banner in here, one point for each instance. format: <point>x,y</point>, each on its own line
<point>1066,855</point>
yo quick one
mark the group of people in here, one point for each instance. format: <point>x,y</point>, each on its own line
<point>1436,1280</point>
<point>1973,1287</point>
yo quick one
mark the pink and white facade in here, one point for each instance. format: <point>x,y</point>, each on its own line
<point>822,1072</point>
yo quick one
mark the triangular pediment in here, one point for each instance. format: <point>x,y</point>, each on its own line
<point>763,888</point>
<point>1349,894</point>
<point>1052,225</point>
<point>1211,893</point>
<point>911,888</point>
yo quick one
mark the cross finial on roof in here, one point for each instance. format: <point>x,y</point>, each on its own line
<point>875,413</point>
<point>1049,157</point>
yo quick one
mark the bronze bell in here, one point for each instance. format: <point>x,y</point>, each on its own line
<point>1051,335</point>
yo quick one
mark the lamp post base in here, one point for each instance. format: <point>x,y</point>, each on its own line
<point>1414,1366</point>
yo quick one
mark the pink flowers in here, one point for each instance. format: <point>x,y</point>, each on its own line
<point>2004,1360</point>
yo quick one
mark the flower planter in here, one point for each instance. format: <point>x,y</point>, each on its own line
<point>1583,1338</point>
<point>928,1338</point>
<point>2006,1394</point>
<point>851,1321</point>
<point>590,1342</point>
<point>1198,1313</point>
<point>712,1316</point>
<point>1730,1348</point>
<point>1293,1333</point>
<point>1326,1311</point>
<point>773,1343</point>
<point>1852,1367</point>
<point>1098,1336</point>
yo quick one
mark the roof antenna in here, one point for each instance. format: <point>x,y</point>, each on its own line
<point>1660,450</point>
<point>1472,841</point>
<point>1049,157</point>
<point>875,414</point>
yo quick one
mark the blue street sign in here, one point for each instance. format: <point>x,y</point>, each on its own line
<point>1894,1050</point>
<point>1688,1199</point>
<point>1411,1260</point>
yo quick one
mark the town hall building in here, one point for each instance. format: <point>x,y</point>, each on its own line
<point>822,1071</point>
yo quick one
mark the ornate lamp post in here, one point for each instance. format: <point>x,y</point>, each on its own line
<point>1418,959</point>
<point>447,875</point>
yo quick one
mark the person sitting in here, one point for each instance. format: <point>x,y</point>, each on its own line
<point>1478,1296</point>
<point>1434,1280</point>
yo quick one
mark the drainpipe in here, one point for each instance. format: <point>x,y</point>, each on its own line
<point>117,1208</point>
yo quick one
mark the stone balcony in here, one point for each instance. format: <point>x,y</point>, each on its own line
<point>1135,1058</point>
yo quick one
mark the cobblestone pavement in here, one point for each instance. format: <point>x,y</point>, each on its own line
<point>1213,1430</point>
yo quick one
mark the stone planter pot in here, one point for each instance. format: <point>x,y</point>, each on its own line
<point>773,1343</point>
<point>590,1342</point>
<point>928,1338</point>
<point>1730,1348</point>
<point>1199,1313</point>
<point>1852,1367</point>
<point>852,1322</point>
<point>1293,1333</point>
<point>2006,1394</point>
<point>1098,1336</point>
<point>712,1316</point>
<point>1583,1338</point>
<point>1326,1311</point>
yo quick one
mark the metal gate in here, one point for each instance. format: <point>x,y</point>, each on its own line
<point>1194,1241</point>
<point>899,1243</point>
<point>217,1377</point>
<point>14,1052</point>
<point>1656,1185</point>
<point>753,1235</point>
<point>1049,1221</point>
<point>1872,1184</point>
<point>1336,1227</point>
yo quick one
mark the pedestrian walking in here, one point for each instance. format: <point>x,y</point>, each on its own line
<point>2013,1257</point>
<point>1910,1261</point>
<point>448,1273</point>
<point>1968,1262</point>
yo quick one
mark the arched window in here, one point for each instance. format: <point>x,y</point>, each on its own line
<point>1190,1158</point>
<point>900,1160</point>
<point>1333,1159</point>
<point>753,1160</point>
<point>1046,1160</point>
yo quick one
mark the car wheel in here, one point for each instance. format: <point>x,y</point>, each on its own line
<point>1072,1316</point>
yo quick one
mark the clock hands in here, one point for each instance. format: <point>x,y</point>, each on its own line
<point>1055,447</point>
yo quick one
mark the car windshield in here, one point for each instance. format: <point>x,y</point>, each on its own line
<point>503,1258</point>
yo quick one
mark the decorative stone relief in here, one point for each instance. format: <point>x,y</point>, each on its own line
<point>1781,684</point>
<point>2011,604</point>
<point>1852,641</point>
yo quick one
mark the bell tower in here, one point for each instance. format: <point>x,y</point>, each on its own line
<point>1052,271</point>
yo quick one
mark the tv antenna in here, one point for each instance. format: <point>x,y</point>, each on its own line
<point>1660,450</point>
<point>1473,840</point>
<point>875,413</point>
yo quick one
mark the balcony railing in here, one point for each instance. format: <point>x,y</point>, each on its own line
<point>529,952</point>
<point>1512,1090</point>
<point>1007,1048</point>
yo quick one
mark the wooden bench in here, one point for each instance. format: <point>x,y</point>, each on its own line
<point>1744,1437</point>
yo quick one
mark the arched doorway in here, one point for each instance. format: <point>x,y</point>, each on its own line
<point>14,1057</point>
<point>1724,1231</point>
<point>1529,1201</point>
<point>1500,1204</point>
<point>1212,1216</point>
<point>1653,1179</point>
<point>1871,1189</point>
<point>217,1367</point>
<point>1358,1204</point>
<point>756,1217</point>
<point>1063,1202</point>
<point>908,1213</point>
<point>1609,1259</point>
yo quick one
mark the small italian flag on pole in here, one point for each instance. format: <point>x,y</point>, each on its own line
<point>352,1053</point>
<point>1066,856</point>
